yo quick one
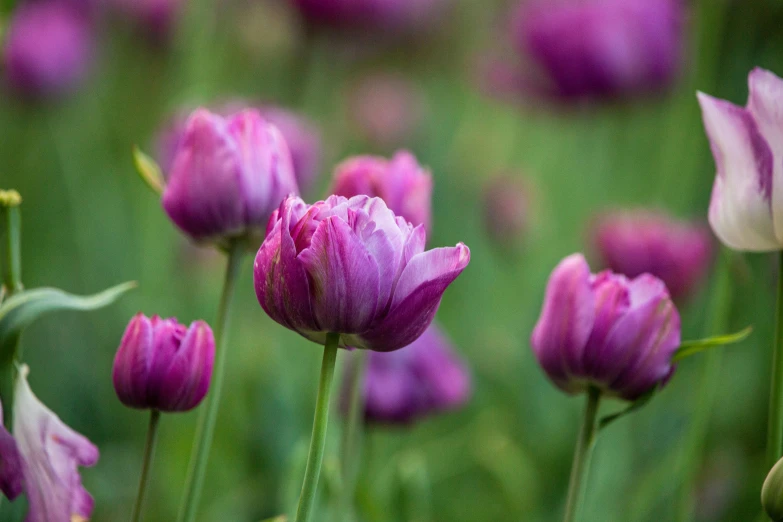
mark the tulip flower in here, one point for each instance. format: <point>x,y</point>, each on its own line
<point>422,379</point>
<point>48,48</point>
<point>600,48</point>
<point>401,182</point>
<point>349,266</point>
<point>634,243</point>
<point>745,209</point>
<point>606,331</point>
<point>163,365</point>
<point>42,460</point>
<point>227,177</point>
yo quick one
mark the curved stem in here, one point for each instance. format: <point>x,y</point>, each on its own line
<point>584,448</point>
<point>208,416</point>
<point>318,440</point>
<point>149,451</point>
<point>775,428</point>
<point>351,441</point>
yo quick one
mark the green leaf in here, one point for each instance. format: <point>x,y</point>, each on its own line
<point>149,171</point>
<point>20,310</point>
<point>688,348</point>
<point>635,405</point>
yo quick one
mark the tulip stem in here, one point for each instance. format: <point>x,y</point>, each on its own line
<point>582,453</point>
<point>318,440</point>
<point>149,451</point>
<point>208,415</point>
<point>12,271</point>
<point>351,441</point>
<point>775,429</point>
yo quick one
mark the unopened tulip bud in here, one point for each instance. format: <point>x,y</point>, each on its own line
<point>163,365</point>
<point>772,493</point>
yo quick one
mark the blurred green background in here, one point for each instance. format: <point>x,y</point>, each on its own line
<point>89,223</point>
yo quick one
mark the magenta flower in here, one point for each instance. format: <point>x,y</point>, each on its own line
<point>48,49</point>
<point>676,252</point>
<point>228,176</point>
<point>746,209</point>
<point>369,15</point>
<point>601,48</point>
<point>163,365</point>
<point>401,182</point>
<point>422,379</point>
<point>350,266</point>
<point>42,459</point>
<point>606,331</point>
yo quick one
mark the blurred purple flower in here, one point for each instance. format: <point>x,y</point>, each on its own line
<point>600,48</point>
<point>506,209</point>
<point>401,182</point>
<point>633,243</point>
<point>228,176</point>
<point>605,330</point>
<point>48,49</point>
<point>370,15</point>
<point>163,365</point>
<point>42,459</point>
<point>424,378</point>
<point>746,209</point>
<point>350,266</point>
<point>157,18</point>
<point>387,109</point>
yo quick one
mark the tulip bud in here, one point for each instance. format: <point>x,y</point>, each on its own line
<point>350,266</point>
<point>606,331</point>
<point>401,183</point>
<point>422,379</point>
<point>163,365</point>
<point>634,243</point>
<point>772,493</point>
<point>506,212</point>
<point>600,48</point>
<point>227,177</point>
<point>48,48</point>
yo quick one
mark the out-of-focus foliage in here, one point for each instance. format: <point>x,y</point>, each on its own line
<point>89,222</point>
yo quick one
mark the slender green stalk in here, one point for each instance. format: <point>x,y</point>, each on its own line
<point>720,305</point>
<point>351,441</point>
<point>149,452</point>
<point>584,449</point>
<point>10,200</point>
<point>208,416</point>
<point>775,427</point>
<point>318,440</point>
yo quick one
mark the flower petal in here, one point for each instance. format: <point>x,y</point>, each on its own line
<point>190,371</point>
<point>11,477</point>
<point>740,211</point>
<point>566,320</point>
<point>133,361</point>
<point>344,278</point>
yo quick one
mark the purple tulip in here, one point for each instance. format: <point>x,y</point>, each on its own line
<point>746,209</point>
<point>422,379</point>
<point>370,15</point>
<point>634,243</point>
<point>350,266</point>
<point>228,176</point>
<point>401,182</point>
<point>163,365</point>
<point>506,211</point>
<point>48,49</point>
<point>605,330</point>
<point>304,142</point>
<point>42,460</point>
<point>600,48</point>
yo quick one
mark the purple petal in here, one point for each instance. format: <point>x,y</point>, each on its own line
<point>344,278</point>
<point>740,211</point>
<point>190,371</point>
<point>132,363</point>
<point>566,321</point>
<point>416,298</point>
<point>612,301</point>
<point>11,477</point>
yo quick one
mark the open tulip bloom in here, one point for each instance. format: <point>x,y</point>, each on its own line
<point>349,272</point>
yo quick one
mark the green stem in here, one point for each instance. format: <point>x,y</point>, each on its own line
<point>351,442</point>
<point>720,305</point>
<point>208,416</point>
<point>318,440</point>
<point>12,268</point>
<point>775,428</point>
<point>584,448</point>
<point>149,451</point>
